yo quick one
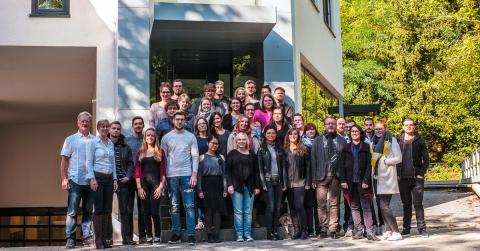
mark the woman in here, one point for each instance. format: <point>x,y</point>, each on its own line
<point>299,123</point>
<point>157,110</point>
<point>150,178</point>
<point>230,119</point>
<point>282,126</point>
<point>103,181</point>
<point>201,133</point>
<point>386,154</point>
<point>217,130</point>
<point>242,181</point>
<point>206,109</point>
<point>273,178</point>
<point>355,178</point>
<point>264,114</point>
<point>298,168</point>
<point>184,105</point>
<point>309,134</point>
<point>212,188</point>
<point>243,125</point>
<point>249,111</point>
<point>241,94</point>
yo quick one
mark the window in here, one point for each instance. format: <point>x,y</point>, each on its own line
<point>316,99</point>
<point>327,14</point>
<point>50,8</point>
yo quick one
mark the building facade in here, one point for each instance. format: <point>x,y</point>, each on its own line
<point>60,57</point>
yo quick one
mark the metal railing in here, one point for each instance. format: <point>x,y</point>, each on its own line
<point>471,168</point>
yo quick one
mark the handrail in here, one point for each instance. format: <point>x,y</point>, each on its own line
<point>471,168</point>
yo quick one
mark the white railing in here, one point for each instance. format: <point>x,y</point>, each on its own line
<point>471,168</point>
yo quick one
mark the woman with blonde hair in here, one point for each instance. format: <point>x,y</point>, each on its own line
<point>206,108</point>
<point>297,160</point>
<point>243,126</point>
<point>386,154</point>
<point>103,181</point>
<point>241,94</point>
<point>150,178</point>
<point>243,185</point>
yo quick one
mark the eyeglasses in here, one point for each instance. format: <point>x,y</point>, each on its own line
<point>378,129</point>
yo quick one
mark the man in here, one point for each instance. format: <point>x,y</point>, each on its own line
<point>279,95</point>
<point>220,102</point>
<point>411,171</point>
<point>177,87</point>
<point>165,125</point>
<point>208,93</point>
<point>251,89</point>
<point>125,169</point>
<point>181,149</point>
<point>265,90</point>
<point>73,171</point>
<point>327,157</point>
<point>368,125</point>
<point>348,125</point>
<point>135,141</point>
<point>341,128</point>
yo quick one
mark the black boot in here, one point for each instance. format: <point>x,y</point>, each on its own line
<point>297,232</point>
<point>106,221</point>
<point>98,231</point>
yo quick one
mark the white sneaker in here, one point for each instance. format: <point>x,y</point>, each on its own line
<point>396,236</point>
<point>349,233</point>
<point>386,235</point>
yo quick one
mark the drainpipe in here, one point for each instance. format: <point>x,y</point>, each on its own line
<point>340,107</point>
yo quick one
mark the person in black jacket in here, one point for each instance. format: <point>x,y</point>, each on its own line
<point>327,157</point>
<point>243,185</point>
<point>125,169</point>
<point>298,168</point>
<point>273,178</point>
<point>411,170</point>
<point>356,179</point>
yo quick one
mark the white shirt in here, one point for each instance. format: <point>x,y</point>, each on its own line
<point>75,148</point>
<point>100,158</point>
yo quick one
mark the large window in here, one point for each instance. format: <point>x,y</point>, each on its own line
<point>315,99</point>
<point>50,8</point>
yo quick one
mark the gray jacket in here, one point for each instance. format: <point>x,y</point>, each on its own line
<point>319,158</point>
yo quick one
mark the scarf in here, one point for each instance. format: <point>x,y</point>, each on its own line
<point>379,148</point>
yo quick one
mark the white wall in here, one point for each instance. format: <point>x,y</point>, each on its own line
<point>30,164</point>
<point>316,47</point>
<point>92,24</point>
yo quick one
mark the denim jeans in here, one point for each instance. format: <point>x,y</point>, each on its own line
<point>75,194</point>
<point>126,198</point>
<point>179,187</point>
<point>242,217</point>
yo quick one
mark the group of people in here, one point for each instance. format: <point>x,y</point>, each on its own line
<point>199,154</point>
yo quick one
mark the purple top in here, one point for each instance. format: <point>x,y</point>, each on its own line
<point>262,117</point>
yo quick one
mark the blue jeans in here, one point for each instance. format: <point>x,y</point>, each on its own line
<point>242,208</point>
<point>180,186</point>
<point>75,194</point>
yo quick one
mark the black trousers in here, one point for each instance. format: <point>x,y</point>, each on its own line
<point>274,201</point>
<point>126,198</point>
<point>151,209</point>
<point>213,221</point>
<point>311,211</point>
<point>103,196</point>
<point>411,191</point>
<point>296,199</point>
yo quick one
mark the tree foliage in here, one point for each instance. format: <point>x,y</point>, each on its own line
<point>418,59</point>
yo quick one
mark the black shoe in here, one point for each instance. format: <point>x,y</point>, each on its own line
<point>270,236</point>
<point>70,243</point>
<point>322,235</point>
<point>405,232</point>
<point>142,240</point>
<point>310,232</point>
<point>129,242</point>
<point>217,238</point>
<point>303,235</point>
<point>191,240</point>
<point>372,237</point>
<point>210,238</point>
<point>357,236</point>
<point>423,233</point>
<point>276,237</point>
<point>297,235</point>
<point>175,239</point>
<point>334,235</point>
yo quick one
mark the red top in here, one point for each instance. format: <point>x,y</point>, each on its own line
<point>162,166</point>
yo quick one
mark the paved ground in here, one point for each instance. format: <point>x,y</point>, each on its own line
<point>453,218</point>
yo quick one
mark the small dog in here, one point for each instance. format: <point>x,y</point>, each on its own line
<point>287,224</point>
